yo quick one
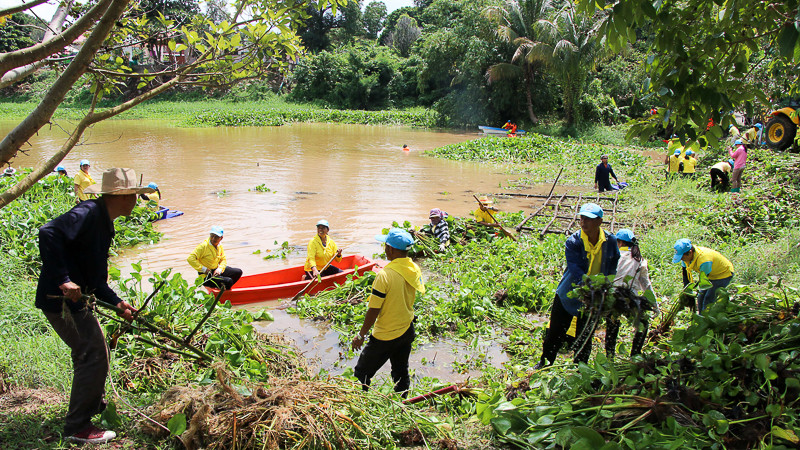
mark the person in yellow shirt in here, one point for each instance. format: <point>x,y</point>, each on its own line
<point>208,259</point>
<point>83,180</point>
<point>153,196</point>
<point>321,249</point>
<point>719,175</point>
<point>482,215</point>
<point>689,163</point>
<point>674,163</point>
<point>391,310</point>
<point>715,271</point>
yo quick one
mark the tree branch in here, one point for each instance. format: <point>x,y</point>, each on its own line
<point>44,111</point>
<point>20,8</point>
<point>48,47</point>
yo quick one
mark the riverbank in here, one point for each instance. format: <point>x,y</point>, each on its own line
<point>485,287</point>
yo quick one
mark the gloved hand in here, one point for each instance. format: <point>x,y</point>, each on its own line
<point>441,247</point>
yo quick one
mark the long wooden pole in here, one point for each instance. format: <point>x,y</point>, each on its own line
<point>314,280</point>
<point>506,232</point>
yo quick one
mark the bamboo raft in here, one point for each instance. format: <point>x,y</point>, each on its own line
<point>556,207</point>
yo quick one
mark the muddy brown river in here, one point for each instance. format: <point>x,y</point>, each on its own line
<point>357,177</point>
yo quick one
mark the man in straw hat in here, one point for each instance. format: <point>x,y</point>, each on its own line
<point>74,248</point>
<point>483,215</point>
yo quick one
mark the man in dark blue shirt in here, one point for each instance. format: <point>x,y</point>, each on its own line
<point>601,175</point>
<point>74,249</point>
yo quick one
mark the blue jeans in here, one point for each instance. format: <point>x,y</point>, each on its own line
<point>709,296</point>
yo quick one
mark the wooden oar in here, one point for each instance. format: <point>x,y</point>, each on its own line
<point>506,232</point>
<point>314,280</point>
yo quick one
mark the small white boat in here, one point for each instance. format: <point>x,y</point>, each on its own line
<point>498,131</point>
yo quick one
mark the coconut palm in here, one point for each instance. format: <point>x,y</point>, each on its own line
<point>518,23</point>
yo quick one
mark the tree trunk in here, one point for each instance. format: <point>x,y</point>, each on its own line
<point>529,98</point>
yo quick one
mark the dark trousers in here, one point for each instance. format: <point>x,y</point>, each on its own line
<point>84,337</point>
<point>604,185</point>
<point>720,178</point>
<point>331,270</point>
<point>560,320</point>
<point>228,277</point>
<point>612,331</point>
<point>377,352</point>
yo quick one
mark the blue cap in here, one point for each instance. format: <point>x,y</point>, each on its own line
<point>324,223</point>
<point>689,152</point>
<point>625,235</point>
<point>84,162</point>
<point>60,168</point>
<point>677,152</point>
<point>730,161</point>
<point>216,229</point>
<point>759,126</point>
<point>397,238</point>
<point>591,210</point>
<point>152,186</point>
<point>681,247</point>
<point>738,142</point>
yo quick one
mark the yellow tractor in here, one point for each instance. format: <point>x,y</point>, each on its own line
<point>782,128</point>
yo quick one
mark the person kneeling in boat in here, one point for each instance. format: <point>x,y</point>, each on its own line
<point>391,310</point>
<point>208,259</point>
<point>483,214</point>
<point>321,250</point>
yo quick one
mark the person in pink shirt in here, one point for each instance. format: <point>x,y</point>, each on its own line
<point>739,154</point>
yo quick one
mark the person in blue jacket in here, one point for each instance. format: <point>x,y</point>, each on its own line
<point>602,182</point>
<point>589,251</point>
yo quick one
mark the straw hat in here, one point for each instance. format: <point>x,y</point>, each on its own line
<point>485,200</point>
<point>118,181</point>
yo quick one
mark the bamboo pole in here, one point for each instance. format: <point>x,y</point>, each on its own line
<point>557,207</point>
<point>506,232</point>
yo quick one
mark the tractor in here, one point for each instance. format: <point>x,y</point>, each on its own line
<point>781,128</point>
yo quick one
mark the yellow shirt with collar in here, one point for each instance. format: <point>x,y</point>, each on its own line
<point>83,180</point>
<point>689,164</point>
<point>594,252</point>
<point>393,292</point>
<point>208,256</point>
<point>318,254</point>
<point>721,267</point>
<point>483,216</point>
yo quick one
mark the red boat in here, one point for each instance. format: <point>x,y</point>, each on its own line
<point>286,283</point>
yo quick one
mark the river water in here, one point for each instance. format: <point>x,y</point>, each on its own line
<point>357,177</point>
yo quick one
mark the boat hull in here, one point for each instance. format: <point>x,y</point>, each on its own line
<point>166,213</point>
<point>286,283</point>
<point>498,131</point>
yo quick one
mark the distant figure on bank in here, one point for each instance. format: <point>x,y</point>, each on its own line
<point>483,215</point>
<point>439,227</point>
<point>83,180</point>
<point>590,251</point>
<point>674,163</point>
<point>10,171</point>
<point>689,163</point>
<point>511,128</point>
<point>74,249</point>
<point>739,155</point>
<point>719,176</point>
<point>602,182</point>
<point>61,171</point>
<point>154,196</point>
<point>709,264</point>
<point>321,249</point>
<point>208,259</point>
<point>752,136</point>
<point>406,148</point>
<point>391,310</point>
<point>633,266</point>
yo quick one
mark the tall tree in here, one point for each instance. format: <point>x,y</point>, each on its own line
<point>405,33</point>
<point>374,16</point>
<point>258,40</point>
<point>519,22</point>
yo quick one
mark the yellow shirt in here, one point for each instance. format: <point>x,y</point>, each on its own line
<point>319,255</point>
<point>751,135</point>
<point>83,180</point>
<point>721,267</point>
<point>153,197</point>
<point>723,166</point>
<point>689,164</point>
<point>674,163</point>
<point>594,252</point>
<point>393,292</point>
<point>206,255</point>
<point>482,216</point>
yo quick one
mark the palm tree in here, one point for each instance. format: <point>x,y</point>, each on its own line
<point>569,49</point>
<point>518,23</point>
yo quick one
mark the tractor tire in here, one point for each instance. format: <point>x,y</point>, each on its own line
<point>780,132</point>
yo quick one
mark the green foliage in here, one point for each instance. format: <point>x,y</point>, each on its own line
<point>13,34</point>
<point>261,117</point>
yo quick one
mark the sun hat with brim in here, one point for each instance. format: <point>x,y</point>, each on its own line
<point>681,247</point>
<point>118,181</point>
<point>591,210</point>
<point>738,142</point>
<point>84,162</point>
<point>730,161</point>
<point>217,230</point>
<point>324,223</point>
<point>485,200</point>
<point>397,238</point>
<point>625,235</point>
